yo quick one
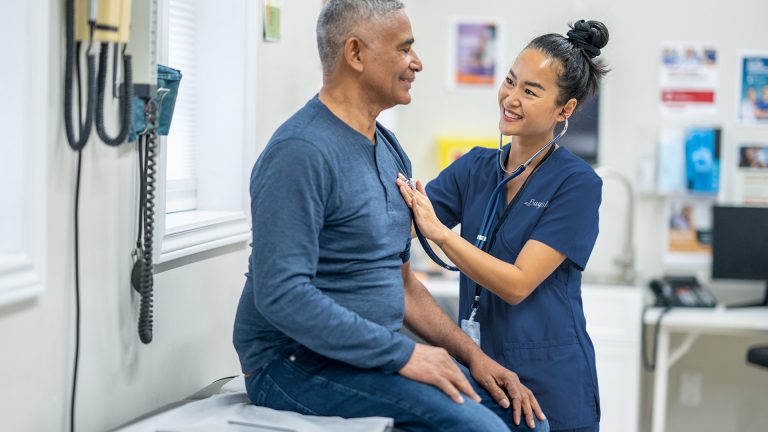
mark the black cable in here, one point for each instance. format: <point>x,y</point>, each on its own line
<point>77,290</point>
<point>72,62</point>
<point>84,128</point>
<point>77,246</point>
<point>126,95</point>
<point>142,187</point>
<point>115,46</point>
<point>146,277</point>
<point>650,365</point>
<point>79,83</point>
<point>77,253</point>
<point>138,253</point>
<point>142,277</point>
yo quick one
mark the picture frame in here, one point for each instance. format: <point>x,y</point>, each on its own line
<point>475,53</point>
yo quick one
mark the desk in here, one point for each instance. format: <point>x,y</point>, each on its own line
<point>694,322</point>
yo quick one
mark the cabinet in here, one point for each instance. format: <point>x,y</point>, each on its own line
<point>613,315</point>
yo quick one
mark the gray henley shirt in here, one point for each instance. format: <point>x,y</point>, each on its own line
<point>330,234</point>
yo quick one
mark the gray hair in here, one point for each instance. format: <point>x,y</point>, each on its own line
<point>339,19</point>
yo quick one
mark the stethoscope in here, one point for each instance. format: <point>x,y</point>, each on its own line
<point>493,202</point>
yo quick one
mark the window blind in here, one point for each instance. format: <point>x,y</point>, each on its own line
<point>181,161</point>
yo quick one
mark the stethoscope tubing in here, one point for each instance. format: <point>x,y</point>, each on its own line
<point>493,203</point>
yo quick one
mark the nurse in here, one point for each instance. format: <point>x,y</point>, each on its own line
<point>525,283</point>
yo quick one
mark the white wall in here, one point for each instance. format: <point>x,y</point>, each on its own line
<point>195,298</point>
<point>288,77</point>
<point>11,114</point>
<point>629,125</point>
<point>629,113</point>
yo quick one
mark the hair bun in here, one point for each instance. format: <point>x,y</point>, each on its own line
<point>589,36</point>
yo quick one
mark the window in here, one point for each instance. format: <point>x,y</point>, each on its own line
<point>181,168</point>
<point>22,166</point>
<point>204,176</point>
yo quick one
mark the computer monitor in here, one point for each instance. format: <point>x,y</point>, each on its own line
<point>740,244</point>
<point>582,136</point>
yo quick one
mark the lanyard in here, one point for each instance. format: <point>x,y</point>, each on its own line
<point>486,246</point>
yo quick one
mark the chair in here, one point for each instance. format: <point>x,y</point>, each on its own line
<point>758,355</point>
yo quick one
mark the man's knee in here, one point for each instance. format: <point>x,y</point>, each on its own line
<point>473,417</point>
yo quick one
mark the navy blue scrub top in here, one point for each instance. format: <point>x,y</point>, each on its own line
<point>544,338</point>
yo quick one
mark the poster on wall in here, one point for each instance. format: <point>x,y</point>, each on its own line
<point>689,160</point>
<point>753,94</point>
<point>670,176</point>
<point>702,160</point>
<point>451,148</point>
<point>475,53</point>
<point>751,180</point>
<point>688,80</point>
<point>272,18</point>
<point>688,233</point>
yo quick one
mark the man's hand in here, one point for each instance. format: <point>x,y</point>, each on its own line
<point>504,384</point>
<point>431,365</point>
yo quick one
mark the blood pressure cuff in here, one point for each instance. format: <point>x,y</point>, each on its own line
<point>168,80</point>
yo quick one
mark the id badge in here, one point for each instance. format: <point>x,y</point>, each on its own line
<point>472,329</point>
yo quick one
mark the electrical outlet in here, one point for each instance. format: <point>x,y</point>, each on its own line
<point>690,388</point>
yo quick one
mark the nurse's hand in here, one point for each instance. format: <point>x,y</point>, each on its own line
<point>504,384</point>
<point>423,212</point>
<point>432,365</point>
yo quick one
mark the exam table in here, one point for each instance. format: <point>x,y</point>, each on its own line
<point>224,407</point>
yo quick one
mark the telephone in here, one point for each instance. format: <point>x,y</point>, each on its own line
<point>681,291</point>
<point>672,292</point>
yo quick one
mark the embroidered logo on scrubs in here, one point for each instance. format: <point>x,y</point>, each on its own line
<point>538,204</point>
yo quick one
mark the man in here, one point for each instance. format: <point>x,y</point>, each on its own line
<point>329,281</point>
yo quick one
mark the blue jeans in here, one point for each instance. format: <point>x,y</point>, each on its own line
<point>305,382</point>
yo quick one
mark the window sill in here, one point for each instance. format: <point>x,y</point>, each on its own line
<point>18,279</point>
<point>192,232</point>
